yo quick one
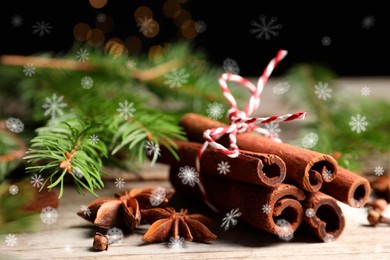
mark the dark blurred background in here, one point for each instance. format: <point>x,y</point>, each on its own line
<point>351,41</point>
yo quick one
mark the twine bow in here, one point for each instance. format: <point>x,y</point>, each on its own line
<point>240,121</point>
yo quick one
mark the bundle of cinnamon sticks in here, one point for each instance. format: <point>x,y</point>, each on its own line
<point>275,186</point>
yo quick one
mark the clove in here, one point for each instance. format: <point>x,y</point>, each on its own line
<point>377,204</point>
<point>374,218</point>
<point>100,242</point>
<point>381,186</point>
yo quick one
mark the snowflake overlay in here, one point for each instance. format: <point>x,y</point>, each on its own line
<point>230,218</point>
<point>16,20</point>
<point>152,149</point>
<point>54,106</point>
<point>14,125</point>
<point>86,210</point>
<point>36,181</point>
<point>42,28</point>
<point>326,41</point>
<point>126,109</point>
<point>188,175</point>
<point>101,18</point>
<point>130,64</point>
<point>273,129</point>
<point>82,55</point>
<point>223,167</point>
<point>13,189</point>
<point>310,213</point>
<point>281,88</point>
<point>176,78</point>
<point>266,208</point>
<point>356,203</point>
<point>358,123</point>
<point>49,215</point>
<point>310,140</point>
<point>115,236</point>
<point>177,244</point>
<point>77,172</point>
<point>157,197</point>
<point>231,66</point>
<point>200,26</point>
<point>323,91</point>
<point>119,182</point>
<point>366,91</point>
<point>93,139</point>
<point>215,110</point>
<point>11,240</point>
<point>285,231</point>
<point>379,170</point>
<point>87,82</point>
<point>29,70</point>
<point>327,175</point>
<point>146,25</point>
<point>265,28</point>
<point>329,238</point>
<point>368,22</point>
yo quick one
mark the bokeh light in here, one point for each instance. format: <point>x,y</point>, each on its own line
<point>188,30</point>
<point>106,24</point>
<point>183,16</point>
<point>171,8</point>
<point>142,12</point>
<point>133,45</point>
<point>114,47</point>
<point>155,52</point>
<point>80,31</point>
<point>98,3</point>
<point>95,37</point>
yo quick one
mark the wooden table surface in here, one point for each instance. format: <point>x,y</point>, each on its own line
<point>70,237</point>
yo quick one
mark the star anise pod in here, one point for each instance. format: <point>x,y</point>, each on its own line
<point>123,211</point>
<point>167,223</point>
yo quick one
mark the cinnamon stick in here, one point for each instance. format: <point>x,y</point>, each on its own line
<point>257,168</point>
<point>349,188</point>
<point>259,206</point>
<point>306,169</point>
<point>323,216</point>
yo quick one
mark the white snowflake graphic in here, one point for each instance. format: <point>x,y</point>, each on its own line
<point>85,210</point>
<point>273,129</point>
<point>326,40</point>
<point>310,140</point>
<point>177,244</point>
<point>368,22</point>
<point>146,25</point>
<point>152,149</point>
<point>176,78</point>
<point>101,18</point>
<point>215,110</point>
<point>379,170</point>
<point>231,66</point>
<point>157,197</point>
<point>29,70</point>
<point>230,218</point>
<point>11,240</point>
<point>327,175</point>
<point>223,167</point>
<point>49,215</point>
<point>119,182</point>
<point>93,139</point>
<point>366,91</point>
<point>323,91</point>
<point>13,189</point>
<point>36,181</point>
<point>126,109</point>
<point>14,125</point>
<point>310,213</point>
<point>42,28</point>
<point>281,88</point>
<point>284,229</point>
<point>77,172</point>
<point>16,20</point>
<point>87,82</point>
<point>82,55</point>
<point>329,238</point>
<point>130,64</point>
<point>200,26</point>
<point>54,106</point>
<point>188,175</point>
<point>115,236</point>
<point>358,123</point>
<point>356,203</point>
<point>266,208</point>
<point>265,28</point>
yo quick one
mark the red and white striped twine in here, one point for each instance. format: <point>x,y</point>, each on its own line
<point>240,122</point>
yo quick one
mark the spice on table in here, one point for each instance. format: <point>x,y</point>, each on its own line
<point>377,204</point>
<point>381,187</point>
<point>167,223</point>
<point>375,218</point>
<point>100,242</point>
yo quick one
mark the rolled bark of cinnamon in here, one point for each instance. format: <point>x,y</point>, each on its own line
<point>306,169</point>
<point>323,216</point>
<point>257,168</point>
<point>349,188</point>
<point>261,207</point>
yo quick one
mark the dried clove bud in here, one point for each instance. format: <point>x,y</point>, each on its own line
<point>375,217</point>
<point>100,242</point>
<point>377,204</point>
<point>381,187</point>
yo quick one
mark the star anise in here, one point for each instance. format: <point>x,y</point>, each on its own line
<point>123,211</point>
<point>167,223</point>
